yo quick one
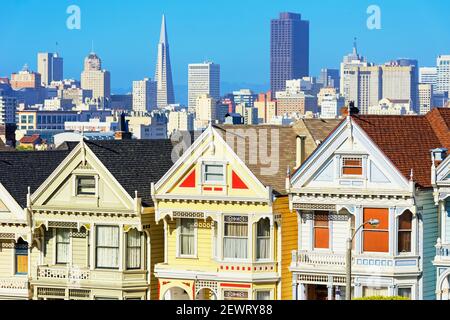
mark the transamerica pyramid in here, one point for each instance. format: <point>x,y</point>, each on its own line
<point>163,73</point>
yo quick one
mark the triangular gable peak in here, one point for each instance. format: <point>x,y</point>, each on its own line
<point>441,180</point>
<point>82,183</point>
<point>349,162</point>
<point>10,210</point>
<point>209,169</point>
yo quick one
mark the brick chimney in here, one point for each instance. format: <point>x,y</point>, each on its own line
<point>123,133</point>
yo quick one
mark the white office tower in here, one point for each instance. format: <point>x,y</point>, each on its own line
<point>363,85</point>
<point>163,74</point>
<point>400,83</point>
<point>331,105</point>
<point>347,70</point>
<point>428,75</point>
<point>144,95</point>
<point>425,97</point>
<point>203,78</point>
<point>443,74</point>
<point>205,111</point>
<point>50,66</point>
<point>95,79</point>
<point>180,121</point>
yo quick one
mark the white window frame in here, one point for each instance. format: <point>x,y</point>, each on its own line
<point>69,244</point>
<point>269,258</point>
<point>178,247</point>
<point>75,185</point>
<point>249,240</point>
<point>120,255</point>
<point>214,163</point>
<point>141,245</point>
<point>270,291</point>
<point>351,176</point>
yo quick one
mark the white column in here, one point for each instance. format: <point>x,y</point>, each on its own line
<point>299,230</point>
<point>359,216</point>
<point>302,291</point>
<point>166,230</point>
<point>272,240</point>
<point>251,253</point>
<point>92,261</point>
<point>121,248</point>
<point>443,217</point>
<point>220,237</point>
<point>392,231</point>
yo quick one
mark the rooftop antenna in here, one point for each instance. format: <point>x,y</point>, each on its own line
<point>92,46</point>
<point>355,46</point>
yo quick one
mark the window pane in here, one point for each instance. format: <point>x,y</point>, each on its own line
<point>376,241</point>
<point>405,292</point>
<point>262,295</point>
<point>321,230</point>
<point>187,238</point>
<point>214,173</point>
<point>405,221</point>
<point>381,215</point>
<point>235,248</point>
<point>107,247</point>
<point>133,249</point>
<point>86,185</point>
<point>404,241</point>
<point>375,292</point>
<point>62,245</point>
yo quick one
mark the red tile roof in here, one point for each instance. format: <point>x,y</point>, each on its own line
<point>30,139</point>
<point>408,140</point>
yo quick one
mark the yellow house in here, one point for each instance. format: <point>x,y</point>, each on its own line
<point>228,230</point>
<point>93,222</point>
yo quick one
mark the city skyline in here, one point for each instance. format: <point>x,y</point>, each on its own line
<point>192,42</point>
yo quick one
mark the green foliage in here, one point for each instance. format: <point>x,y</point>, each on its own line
<point>382,298</point>
<point>24,148</point>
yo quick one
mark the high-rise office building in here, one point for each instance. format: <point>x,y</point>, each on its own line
<point>203,78</point>
<point>205,111</point>
<point>244,96</point>
<point>348,65</point>
<point>289,50</point>
<point>428,75</point>
<point>425,97</point>
<point>400,82</point>
<point>330,78</point>
<point>144,95</point>
<point>443,74</point>
<point>295,101</point>
<point>95,79</point>
<point>363,86</point>
<point>50,66</point>
<point>163,74</point>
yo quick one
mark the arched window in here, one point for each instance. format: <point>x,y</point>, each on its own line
<point>21,253</point>
<point>404,232</point>
<point>263,239</point>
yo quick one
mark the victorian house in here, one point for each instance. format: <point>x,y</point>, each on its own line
<point>19,173</point>
<point>224,206</point>
<point>440,175</point>
<point>371,167</point>
<point>85,228</point>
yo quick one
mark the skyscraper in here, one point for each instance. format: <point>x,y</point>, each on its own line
<point>347,71</point>
<point>289,50</point>
<point>95,79</point>
<point>443,75</point>
<point>203,78</point>
<point>163,73</point>
<point>50,66</point>
<point>330,78</point>
<point>144,95</point>
<point>428,75</point>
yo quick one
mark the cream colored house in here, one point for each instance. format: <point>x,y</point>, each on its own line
<point>18,171</point>
<point>90,223</point>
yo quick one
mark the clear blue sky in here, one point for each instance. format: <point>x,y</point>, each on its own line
<point>233,33</point>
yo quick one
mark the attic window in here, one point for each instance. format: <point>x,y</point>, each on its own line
<point>352,167</point>
<point>86,185</point>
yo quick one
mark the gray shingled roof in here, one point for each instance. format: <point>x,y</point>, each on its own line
<point>134,163</point>
<point>18,170</point>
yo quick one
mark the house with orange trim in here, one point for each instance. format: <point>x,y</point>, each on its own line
<point>380,168</point>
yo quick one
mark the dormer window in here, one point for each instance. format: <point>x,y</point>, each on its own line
<point>86,185</point>
<point>214,173</point>
<point>352,167</point>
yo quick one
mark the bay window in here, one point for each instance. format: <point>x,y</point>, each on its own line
<point>187,237</point>
<point>133,249</point>
<point>376,238</point>
<point>235,237</point>
<point>404,232</point>
<point>62,245</point>
<point>107,247</point>
<point>263,239</point>
<point>263,295</point>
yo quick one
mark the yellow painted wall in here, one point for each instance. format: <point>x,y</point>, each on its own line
<point>289,235</point>
<point>6,258</point>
